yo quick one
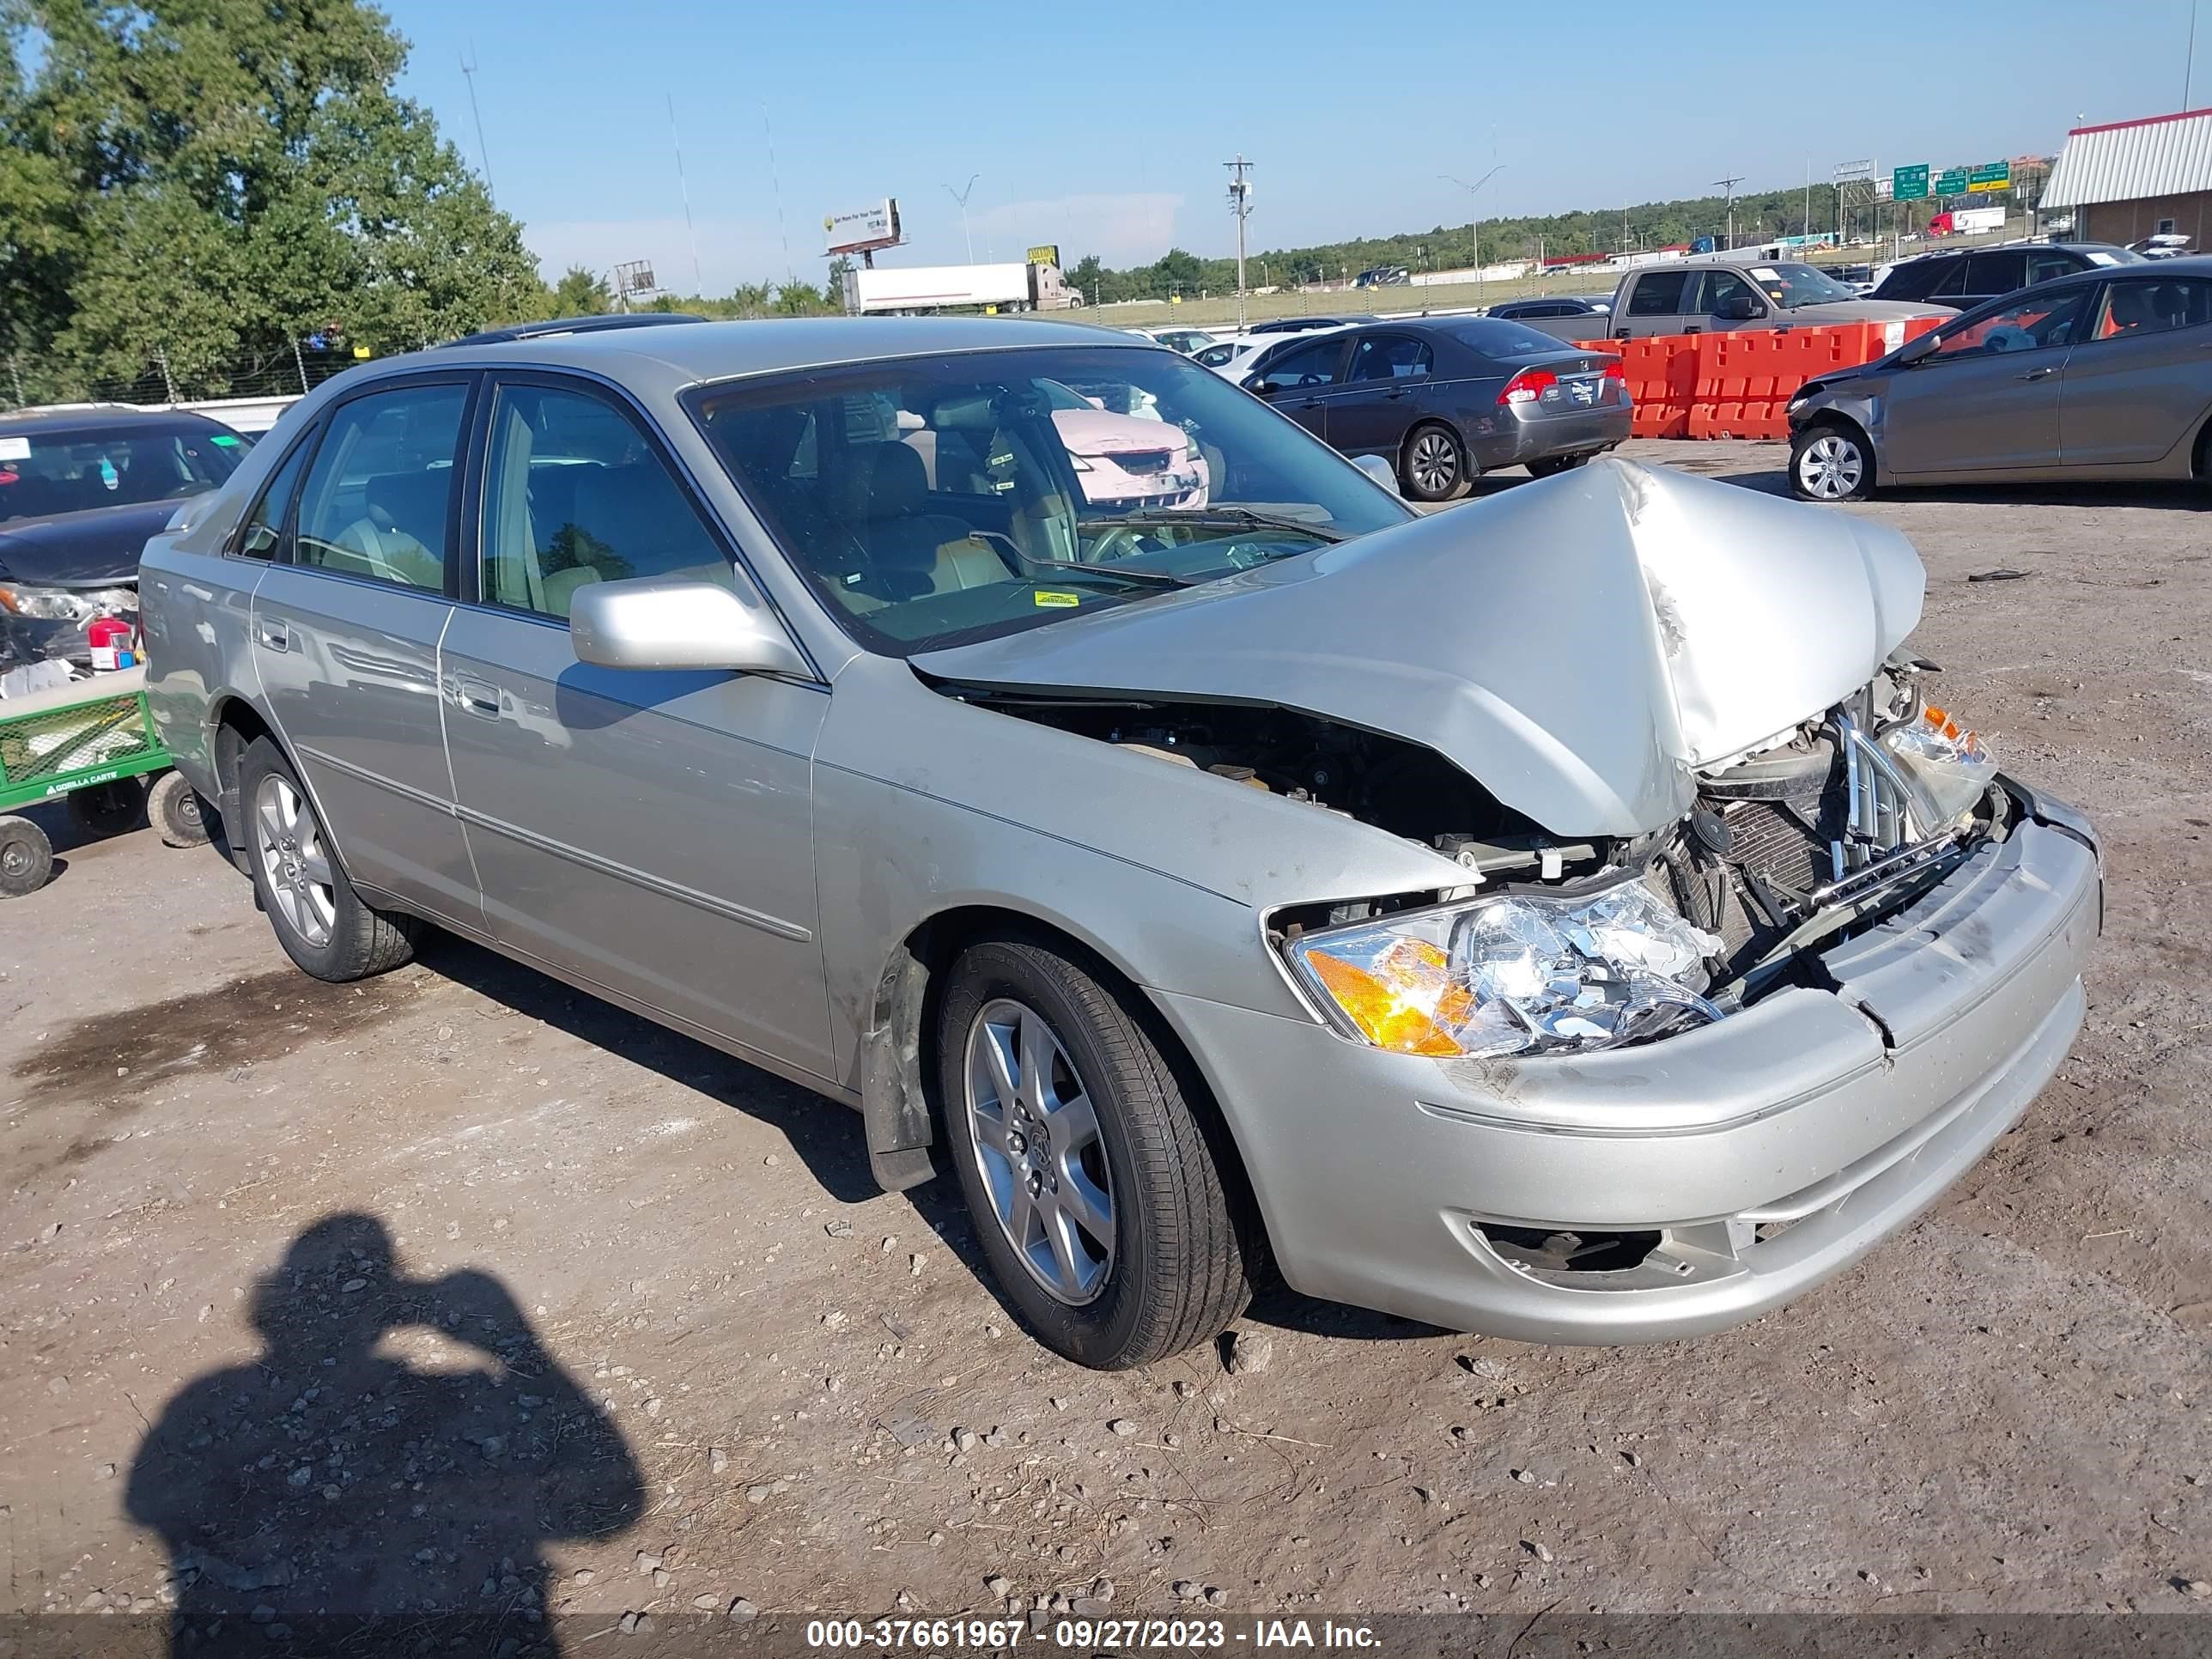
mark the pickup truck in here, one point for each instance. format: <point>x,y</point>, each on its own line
<point>1724,291</point>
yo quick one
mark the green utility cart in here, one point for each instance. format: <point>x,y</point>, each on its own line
<point>92,744</point>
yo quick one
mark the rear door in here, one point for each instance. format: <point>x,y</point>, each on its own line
<point>646,832</point>
<point>1657,304</point>
<point>1987,398</point>
<point>1386,388</point>
<point>345,632</point>
<point>1992,275</point>
<point>2139,386</point>
<point>1303,377</point>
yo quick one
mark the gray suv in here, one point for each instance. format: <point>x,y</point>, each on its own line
<point>1600,946</point>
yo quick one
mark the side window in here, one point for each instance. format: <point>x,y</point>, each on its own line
<point>263,533</point>
<point>1389,357</point>
<point>376,498</point>
<point>2043,266</point>
<point>1953,284</point>
<point>573,494</point>
<point>2154,306</point>
<point>1910,281</point>
<point>1313,364</point>
<point>2046,321</point>
<point>1659,295</point>
<point>1992,274</point>
<point>1721,285</point>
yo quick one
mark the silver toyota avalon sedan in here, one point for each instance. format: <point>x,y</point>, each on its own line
<point>1575,916</point>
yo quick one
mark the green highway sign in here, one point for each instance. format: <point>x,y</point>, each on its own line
<point>1952,181</point>
<point>1908,183</point>
<point>1990,175</point>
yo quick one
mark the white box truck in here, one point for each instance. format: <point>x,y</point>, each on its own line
<point>1011,287</point>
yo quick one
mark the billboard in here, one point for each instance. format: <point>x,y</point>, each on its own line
<point>872,226</point>
<point>1046,254</point>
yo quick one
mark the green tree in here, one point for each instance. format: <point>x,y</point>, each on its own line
<point>580,293</point>
<point>1089,276</point>
<point>208,180</point>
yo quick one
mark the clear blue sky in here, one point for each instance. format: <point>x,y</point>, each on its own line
<point>1103,128</point>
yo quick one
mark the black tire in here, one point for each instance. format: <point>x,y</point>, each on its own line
<point>26,857</point>
<point>1837,458</point>
<point>179,814</point>
<point>109,809</point>
<point>1545,466</point>
<point>1184,1252</point>
<point>1433,451</point>
<point>359,941</point>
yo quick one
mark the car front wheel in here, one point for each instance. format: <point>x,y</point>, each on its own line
<point>1831,463</point>
<point>319,918</point>
<point>1096,1194</point>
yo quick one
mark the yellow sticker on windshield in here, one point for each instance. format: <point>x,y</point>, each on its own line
<point>1045,597</point>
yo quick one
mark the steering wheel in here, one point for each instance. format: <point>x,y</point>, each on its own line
<point>1109,547</point>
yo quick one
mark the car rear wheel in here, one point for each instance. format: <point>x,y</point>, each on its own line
<point>1104,1216</point>
<point>1432,464</point>
<point>1545,466</point>
<point>1831,463</point>
<point>321,922</point>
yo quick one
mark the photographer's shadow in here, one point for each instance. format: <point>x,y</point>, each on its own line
<point>362,1475</point>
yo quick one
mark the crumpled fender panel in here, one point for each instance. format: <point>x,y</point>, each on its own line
<point>1580,645</point>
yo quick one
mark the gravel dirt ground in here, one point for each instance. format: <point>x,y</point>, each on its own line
<point>456,1288</point>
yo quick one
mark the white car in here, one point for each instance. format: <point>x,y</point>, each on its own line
<point>1188,341</point>
<point>1231,356</point>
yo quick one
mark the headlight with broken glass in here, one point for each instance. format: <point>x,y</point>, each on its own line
<point>1515,975</point>
<point>77,604</point>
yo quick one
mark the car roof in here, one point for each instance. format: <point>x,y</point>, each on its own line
<point>672,358</point>
<point>617,322</point>
<point>60,420</point>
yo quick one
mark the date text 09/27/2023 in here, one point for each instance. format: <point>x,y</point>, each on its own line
<point>924,1636</point>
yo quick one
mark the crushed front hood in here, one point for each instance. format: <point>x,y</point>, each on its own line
<point>97,548</point>
<point>1579,645</point>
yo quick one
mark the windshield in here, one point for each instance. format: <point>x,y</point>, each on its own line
<point>1790,286</point>
<point>76,471</point>
<point>933,501</point>
<point>2114,256</point>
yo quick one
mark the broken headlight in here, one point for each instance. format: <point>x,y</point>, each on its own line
<point>1515,975</point>
<point>1951,767</point>
<point>76,605</point>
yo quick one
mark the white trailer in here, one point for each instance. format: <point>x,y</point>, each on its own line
<point>1010,286</point>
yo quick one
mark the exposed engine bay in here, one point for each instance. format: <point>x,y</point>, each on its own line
<point>1843,818</point>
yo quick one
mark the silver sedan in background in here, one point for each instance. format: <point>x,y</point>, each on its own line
<point>1562,917</point>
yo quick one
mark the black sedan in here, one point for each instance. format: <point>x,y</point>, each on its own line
<point>1445,399</point>
<point>81,490</point>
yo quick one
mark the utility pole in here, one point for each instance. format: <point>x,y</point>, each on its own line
<point>2189,58</point>
<point>1240,205</point>
<point>1729,186</point>
<point>469,74</point>
<point>960,196</point>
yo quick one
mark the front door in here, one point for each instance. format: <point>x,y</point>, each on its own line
<point>1717,292</point>
<point>1382,396</point>
<point>1303,380</point>
<point>345,630</point>
<point>2139,384</point>
<point>645,831</point>
<point>1986,398</point>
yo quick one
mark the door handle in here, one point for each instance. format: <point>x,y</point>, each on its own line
<point>273,636</point>
<point>477,698</point>
<point>2036,374</point>
<point>1693,328</point>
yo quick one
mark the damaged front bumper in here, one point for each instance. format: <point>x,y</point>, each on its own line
<point>1667,1190</point>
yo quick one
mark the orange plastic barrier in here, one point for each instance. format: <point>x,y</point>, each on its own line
<point>1738,383</point>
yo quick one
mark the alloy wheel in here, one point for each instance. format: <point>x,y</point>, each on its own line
<point>1037,1147</point>
<point>289,844</point>
<point>1831,467</point>
<point>1434,463</point>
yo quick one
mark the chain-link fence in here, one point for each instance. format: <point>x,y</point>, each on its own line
<point>29,379</point>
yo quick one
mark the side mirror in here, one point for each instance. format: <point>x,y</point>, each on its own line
<point>651,622</point>
<point>1379,470</point>
<point>1741,308</point>
<point>1917,347</point>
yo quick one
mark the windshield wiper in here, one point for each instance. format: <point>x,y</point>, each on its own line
<point>1066,570</point>
<point>1217,517</point>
